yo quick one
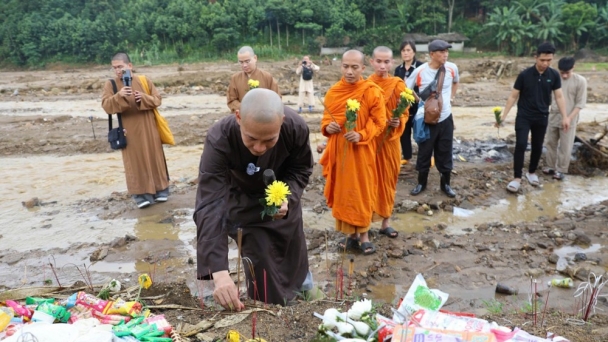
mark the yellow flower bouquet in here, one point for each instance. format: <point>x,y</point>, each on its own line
<point>497,111</point>
<point>406,98</point>
<point>276,194</point>
<point>253,84</point>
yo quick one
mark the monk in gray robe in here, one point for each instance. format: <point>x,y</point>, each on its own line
<point>143,158</point>
<point>262,135</point>
<point>239,82</point>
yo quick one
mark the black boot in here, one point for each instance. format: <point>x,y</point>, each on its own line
<point>422,178</point>
<point>445,184</point>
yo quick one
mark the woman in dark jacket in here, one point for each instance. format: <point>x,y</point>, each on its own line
<point>404,70</point>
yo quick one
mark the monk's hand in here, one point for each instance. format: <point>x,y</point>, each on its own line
<point>137,96</point>
<point>282,211</point>
<point>333,128</point>
<point>321,146</point>
<point>125,92</point>
<point>394,122</point>
<point>352,137</point>
<point>225,292</point>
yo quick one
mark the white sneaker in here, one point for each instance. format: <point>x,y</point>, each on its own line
<point>161,199</point>
<point>143,204</point>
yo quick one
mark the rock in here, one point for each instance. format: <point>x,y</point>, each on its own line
<point>32,202</point>
<point>580,257</point>
<point>554,234</point>
<point>118,242</point>
<point>483,227</point>
<point>420,210</point>
<point>99,254</point>
<point>190,261</point>
<point>363,274</point>
<point>542,245</point>
<point>553,258</point>
<point>429,213</point>
<point>419,244</point>
<point>564,224</point>
<point>408,205</point>
<point>395,253</point>
<point>55,91</point>
<point>582,239</point>
<point>571,236</point>
<point>442,226</point>
<point>482,248</point>
<point>535,272</point>
<point>527,247</point>
<point>448,208</point>
<point>426,207</point>
<point>433,243</point>
<point>466,205</point>
<point>12,259</point>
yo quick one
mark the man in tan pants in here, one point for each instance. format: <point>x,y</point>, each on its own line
<point>557,141</point>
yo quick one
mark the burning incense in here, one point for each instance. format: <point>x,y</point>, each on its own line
<point>238,262</point>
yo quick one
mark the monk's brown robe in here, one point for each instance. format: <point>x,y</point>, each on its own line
<point>350,169</point>
<point>228,198</point>
<point>143,158</point>
<point>388,158</point>
<point>238,86</point>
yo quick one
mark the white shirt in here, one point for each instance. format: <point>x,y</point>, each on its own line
<point>424,75</point>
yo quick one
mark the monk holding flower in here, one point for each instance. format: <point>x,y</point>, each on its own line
<point>354,117</point>
<point>388,159</point>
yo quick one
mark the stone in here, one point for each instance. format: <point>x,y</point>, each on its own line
<point>582,239</point>
<point>542,245</point>
<point>564,224</point>
<point>482,248</point>
<point>535,272</point>
<point>580,257</point>
<point>483,227</point>
<point>408,205</point>
<point>553,258</point>
<point>12,259</point>
<point>442,226</point>
<point>420,210</point>
<point>394,253</point>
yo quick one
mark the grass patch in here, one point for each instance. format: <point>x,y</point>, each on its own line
<point>602,66</point>
<point>493,306</point>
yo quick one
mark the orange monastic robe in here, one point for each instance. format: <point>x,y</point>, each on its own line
<point>350,169</point>
<point>388,159</point>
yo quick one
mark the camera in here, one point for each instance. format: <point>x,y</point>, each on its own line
<point>303,62</point>
<point>126,78</point>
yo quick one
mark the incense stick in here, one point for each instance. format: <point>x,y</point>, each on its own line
<point>238,262</point>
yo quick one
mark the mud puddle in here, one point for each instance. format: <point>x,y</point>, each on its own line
<point>552,199</point>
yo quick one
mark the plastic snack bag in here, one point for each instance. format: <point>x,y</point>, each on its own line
<point>419,296</point>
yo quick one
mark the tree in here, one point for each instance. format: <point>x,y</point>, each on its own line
<point>511,30</point>
<point>579,17</point>
<point>450,13</point>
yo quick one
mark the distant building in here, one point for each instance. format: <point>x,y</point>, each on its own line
<point>422,40</point>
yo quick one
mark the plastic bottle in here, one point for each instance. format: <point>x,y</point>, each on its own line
<point>6,315</point>
<point>566,282</point>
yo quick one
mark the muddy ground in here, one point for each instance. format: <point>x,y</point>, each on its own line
<point>510,239</point>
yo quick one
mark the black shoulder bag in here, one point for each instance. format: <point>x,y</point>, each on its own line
<point>116,136</point>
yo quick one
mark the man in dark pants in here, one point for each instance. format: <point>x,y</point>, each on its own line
<point>532,91</point>
<point>442,133</point>
<point>403,71</point>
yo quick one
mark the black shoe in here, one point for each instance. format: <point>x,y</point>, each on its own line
<point>445,185</point>
<point>422,178</point>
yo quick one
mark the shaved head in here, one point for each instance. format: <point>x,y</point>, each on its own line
<point>121,56</point>
<point>246,50</point>
<point>354,54</point>
<point>260,118</point>
<point>262,106</point>
<point>382,50</point>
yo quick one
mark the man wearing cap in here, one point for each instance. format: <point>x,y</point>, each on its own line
<point>442,133</point>
<point>532,91</point>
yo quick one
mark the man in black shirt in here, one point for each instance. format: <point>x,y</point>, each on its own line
<point>532,91</point>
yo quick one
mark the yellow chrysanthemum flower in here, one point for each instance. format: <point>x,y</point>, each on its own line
<point>276,193</point>
<point>353,105</point>
<point>409,91</point>
<point>253,83</point>
<point>144,281</point>
<point>410,98</point>
<point>497,110</point>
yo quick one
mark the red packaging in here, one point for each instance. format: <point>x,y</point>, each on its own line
<point>386,333</point>
<point>92,302</point>
<point>161,323</point>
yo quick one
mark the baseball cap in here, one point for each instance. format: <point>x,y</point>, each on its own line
<point>438,45</point>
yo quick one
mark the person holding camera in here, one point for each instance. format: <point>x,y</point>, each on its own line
<point>143,157</point>
<point>307,90</point>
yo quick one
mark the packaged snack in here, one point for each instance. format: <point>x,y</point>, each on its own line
<point>19,309</point>
<point>120,307</point>
<point>91,301</point>
<point>411,333</point>
<point>161,323</point>
<point>59,312</point>
<point>38,300</point>
<point>110,319</point>
<point>438,320</point>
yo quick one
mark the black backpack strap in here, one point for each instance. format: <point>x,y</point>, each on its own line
<point>115,88</point>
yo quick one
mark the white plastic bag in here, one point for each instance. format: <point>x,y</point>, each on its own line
<point>419,296</point>
<point>82,332</point>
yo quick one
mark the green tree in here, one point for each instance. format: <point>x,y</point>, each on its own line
<point>579,18</point>
<point>511,30</point>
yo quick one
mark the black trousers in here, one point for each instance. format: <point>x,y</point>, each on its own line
<point>439,144</point>
<point>406,138</point>
<point>524,125</point>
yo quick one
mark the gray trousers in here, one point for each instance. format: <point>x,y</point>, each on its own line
<point>559,146</point>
